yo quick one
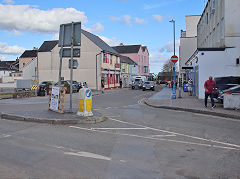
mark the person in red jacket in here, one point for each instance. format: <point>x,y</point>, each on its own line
<point>209,86</point>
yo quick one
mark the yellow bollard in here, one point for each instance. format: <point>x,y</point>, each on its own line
<point>85,102</point>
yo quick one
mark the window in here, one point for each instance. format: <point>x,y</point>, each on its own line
<point>145,69</point>
<point>104,58</point>
<point>237,61</point>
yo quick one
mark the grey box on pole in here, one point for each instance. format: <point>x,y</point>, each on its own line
<point>65,37</point>
<point>75,64</point>
<point>67,52</point>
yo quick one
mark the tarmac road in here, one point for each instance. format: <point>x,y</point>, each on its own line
<point>136,141</point>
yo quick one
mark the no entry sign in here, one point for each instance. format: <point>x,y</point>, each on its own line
<point>174,58</point>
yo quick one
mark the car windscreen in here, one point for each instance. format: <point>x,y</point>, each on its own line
<point>147,83</point>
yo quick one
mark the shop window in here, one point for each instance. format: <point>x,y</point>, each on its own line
<point>105,59</point>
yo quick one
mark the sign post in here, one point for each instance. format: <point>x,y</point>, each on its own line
<point>69,36</point>
<point>174,59</point>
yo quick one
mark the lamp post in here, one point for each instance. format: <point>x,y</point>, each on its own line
<point>174,81</point>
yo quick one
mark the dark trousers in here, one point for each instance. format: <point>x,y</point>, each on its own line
<point>211,97</point>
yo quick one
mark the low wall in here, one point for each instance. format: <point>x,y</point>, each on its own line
<point>231,101</point>
<point>9,79</point>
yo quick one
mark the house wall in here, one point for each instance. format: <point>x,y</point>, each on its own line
<point>29,70</point>
<point>48,65</point>
<point>191,25</point>
<point>4,73</point>
<point>142,59</point>
<point>211,67</point>
<point>24,60</point>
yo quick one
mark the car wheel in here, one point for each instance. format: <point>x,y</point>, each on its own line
<point>144,89</point>
<point>153,89</point>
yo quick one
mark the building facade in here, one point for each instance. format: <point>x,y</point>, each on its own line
<point>97,61</point>
<point>218,43</point>
<point>139,54</point>
<point>26,57</point>
<point>188,44</point>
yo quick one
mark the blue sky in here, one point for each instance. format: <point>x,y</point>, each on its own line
<point>25,24</point>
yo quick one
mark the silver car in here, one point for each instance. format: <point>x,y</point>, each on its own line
<point>148,85</point>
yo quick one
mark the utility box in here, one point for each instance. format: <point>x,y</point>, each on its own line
<point>231,101</point>
<point>85,102</point>
<point>24,84</point>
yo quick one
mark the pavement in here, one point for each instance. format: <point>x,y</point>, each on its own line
<point>188,103</point>
<point>35,109</point>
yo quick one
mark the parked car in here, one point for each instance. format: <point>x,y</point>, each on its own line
<point>82,84</point>
<point>67,84</point>
<point>224,83</point>
<point>137,84</point>
<point>232,90</point>
<point>148,85</point>
<point>43,87</point>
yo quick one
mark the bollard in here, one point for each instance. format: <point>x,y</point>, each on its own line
<point>85,102</point>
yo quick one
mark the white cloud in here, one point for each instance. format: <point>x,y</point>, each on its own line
<point>140,21</point>
<point>28,18</point>
<point>158,18</point>
<point>2,58</point>
<point>127,19</point>
<point>112,18</point>
<point>169,47</point>
<point>97,28</point>
<point>110,41</point>
<point>8,1</point>
<point>10,50</point>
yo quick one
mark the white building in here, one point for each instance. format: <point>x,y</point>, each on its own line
<point>218,43</point>
<point>188,43</point>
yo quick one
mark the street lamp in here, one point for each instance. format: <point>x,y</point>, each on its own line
<point>174,81</point>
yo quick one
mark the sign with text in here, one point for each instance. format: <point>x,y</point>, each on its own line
<point>67,52</point>
<point>54,98</point>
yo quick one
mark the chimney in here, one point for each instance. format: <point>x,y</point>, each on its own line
<point>35,48</point>
<point>121,44</point>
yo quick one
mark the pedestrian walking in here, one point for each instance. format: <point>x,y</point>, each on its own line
<point>209,86</point>
<point>190,85</point>
<point>102,85</point>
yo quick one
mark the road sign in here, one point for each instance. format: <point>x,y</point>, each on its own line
<point>174,58</point>
<point>67,52</point>
<point>65,37</point>
<point>75,64</point>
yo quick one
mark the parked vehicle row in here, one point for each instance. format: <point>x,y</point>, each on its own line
<point>76,86</point>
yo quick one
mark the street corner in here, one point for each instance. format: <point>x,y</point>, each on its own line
<point>68,119</point>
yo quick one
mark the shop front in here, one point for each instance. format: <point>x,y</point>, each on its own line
<point>111,79</point>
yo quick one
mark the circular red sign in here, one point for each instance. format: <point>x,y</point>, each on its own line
<point>174,58</point>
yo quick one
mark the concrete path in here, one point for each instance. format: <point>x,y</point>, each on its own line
<point>189,103</point>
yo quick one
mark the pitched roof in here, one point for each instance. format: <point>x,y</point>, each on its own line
<point>47,46</point>
<point>124,59</point>
<point>127,48</point>
<point>7,65</point>
<point>99,42</point>
<point>29,53</point>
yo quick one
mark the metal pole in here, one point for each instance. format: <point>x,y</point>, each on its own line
<point>36,81</point>
<point>61,54</point>
<point>71,72</point>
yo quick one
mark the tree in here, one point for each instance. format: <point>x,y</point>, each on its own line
<point>167,71</point>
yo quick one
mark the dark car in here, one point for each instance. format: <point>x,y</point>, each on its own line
<point>232,90</point>
<point>43,87</point>
<point>67,83</point>
<point>148,85</point>
<point>223,83</point>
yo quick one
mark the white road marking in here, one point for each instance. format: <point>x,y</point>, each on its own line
<point>175,133</point>
<point>118,128</point>
<point>158,139</point>
<point>88,155</point>
<point>170,135</point>
<point>4,136</point>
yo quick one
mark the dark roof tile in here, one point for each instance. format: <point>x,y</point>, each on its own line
<point>47,46</point>
<point>29,53</point>
<point>127,48</point>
